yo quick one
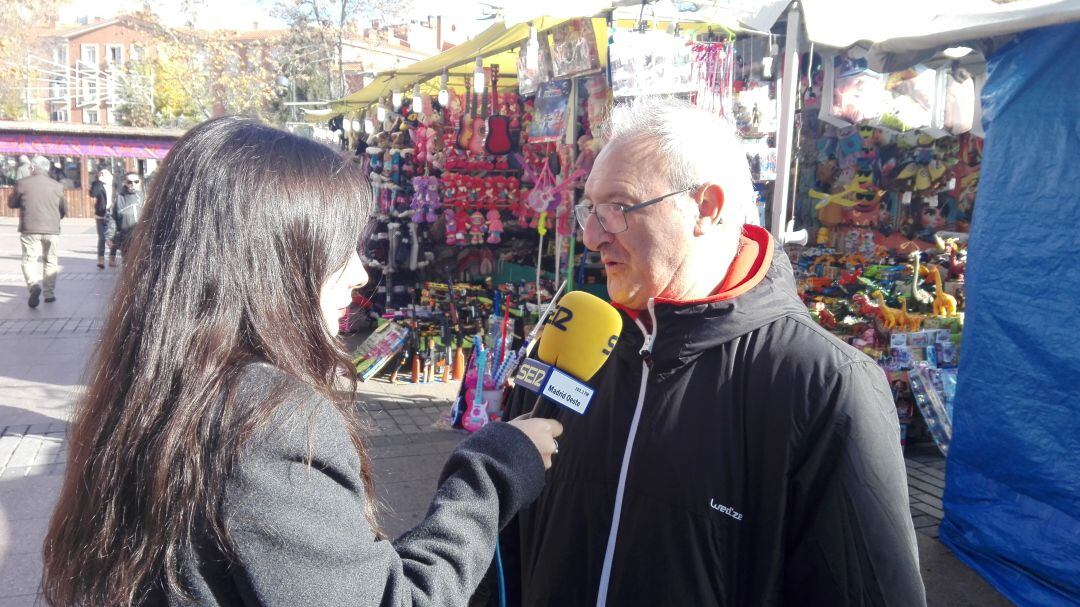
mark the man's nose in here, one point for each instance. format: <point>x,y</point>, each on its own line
<point>593,234</point>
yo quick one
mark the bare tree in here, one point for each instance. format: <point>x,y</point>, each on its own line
<point>320,30</point>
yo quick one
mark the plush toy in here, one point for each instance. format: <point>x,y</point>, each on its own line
<point>495,227</point>
<point>416,206</point>
<point>423,143</point>
<point>463,226</point>
<point>451,226</point>
<point>476,228</point>
<point>431,200</point>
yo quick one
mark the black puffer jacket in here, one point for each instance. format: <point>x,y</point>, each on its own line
<point>761,466</point>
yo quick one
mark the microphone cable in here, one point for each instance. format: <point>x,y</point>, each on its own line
<point>502,576</point>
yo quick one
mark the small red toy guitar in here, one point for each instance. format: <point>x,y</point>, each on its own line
<point>498,141</point>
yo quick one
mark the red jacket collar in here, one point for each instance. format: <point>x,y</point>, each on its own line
<point>748,269</point>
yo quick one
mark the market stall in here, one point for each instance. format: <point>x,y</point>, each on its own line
<point>868,141</point>
<point>477,156</point>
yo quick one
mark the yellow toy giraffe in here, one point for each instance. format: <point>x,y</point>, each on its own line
<point>944,304</point>
<point>890,316</point>
<point>909,321</point>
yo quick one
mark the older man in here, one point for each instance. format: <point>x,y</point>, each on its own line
<point>735,453</point>
<point>41,204</point>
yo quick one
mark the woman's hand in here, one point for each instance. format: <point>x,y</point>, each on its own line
<point>542,433</point>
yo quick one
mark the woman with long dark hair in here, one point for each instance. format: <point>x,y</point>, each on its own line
<point>212,461</point>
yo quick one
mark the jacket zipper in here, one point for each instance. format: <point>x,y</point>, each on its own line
<point>609,554</point>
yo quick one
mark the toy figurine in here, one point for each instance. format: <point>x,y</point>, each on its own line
<point>944,304</point>
<point>462,220</point>
<point>890,316</point>
<point>909,321</point>
<point>495,227</point>
<point>476,228</point>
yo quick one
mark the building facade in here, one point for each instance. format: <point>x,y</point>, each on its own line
<point>80,81</point>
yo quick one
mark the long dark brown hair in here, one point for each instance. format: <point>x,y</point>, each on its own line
<point>243,225</point>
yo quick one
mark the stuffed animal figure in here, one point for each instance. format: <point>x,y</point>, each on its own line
<point>431,200</point>
<point>416,206</point>
<point>476,228</point>
<point>421,137</point>
<point>495,227</point>
<point>451,226</point>
<point>463,226</point>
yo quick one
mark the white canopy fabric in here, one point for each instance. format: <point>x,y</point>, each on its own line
<point>912,25</point>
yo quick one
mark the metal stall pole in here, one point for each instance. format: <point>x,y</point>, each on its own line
<point>785,150</point>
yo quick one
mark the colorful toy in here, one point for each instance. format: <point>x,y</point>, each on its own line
<point>944,304</point>
<point>909,321</point>
<point>476,228</point>
<point>890,316</point>
<point>494,227</point>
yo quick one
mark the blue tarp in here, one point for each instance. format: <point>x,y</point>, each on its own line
<point>1012,499</point>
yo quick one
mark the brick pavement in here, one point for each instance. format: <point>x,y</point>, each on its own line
<point>43,353</point>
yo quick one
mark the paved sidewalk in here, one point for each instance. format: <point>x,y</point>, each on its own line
<point>43,354</point>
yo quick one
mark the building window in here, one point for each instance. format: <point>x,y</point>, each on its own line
<point>91,116</point>
<point>88,54</point>
<point>137,52</point>
<point>114,54</point>
<point>59,116</point>
<point>88,92</point>
<point>60,57</point>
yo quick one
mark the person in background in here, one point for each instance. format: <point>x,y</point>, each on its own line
<point>25,169</point>
<point>101,190</point>
<point>735,453</point>
<point>125,213</point>
<point>41,204</point>
<point>214,458</point>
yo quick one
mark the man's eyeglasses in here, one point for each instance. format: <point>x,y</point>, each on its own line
<point>130,182</point>
<point>612,217</point>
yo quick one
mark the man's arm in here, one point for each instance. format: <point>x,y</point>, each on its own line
<point>850,539</point>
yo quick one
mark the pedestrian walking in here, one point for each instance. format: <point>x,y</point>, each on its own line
<point>125,214</point>
<point>41,204</point>
<point>101,190</point>
<point>25,169</point>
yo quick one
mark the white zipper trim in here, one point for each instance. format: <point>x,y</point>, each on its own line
<point>609,554</point>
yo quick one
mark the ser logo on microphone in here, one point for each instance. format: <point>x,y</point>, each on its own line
<point>560,317</point>
<point>610,345</point>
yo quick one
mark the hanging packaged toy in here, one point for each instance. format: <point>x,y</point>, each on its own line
<point>573,49</point>
<point>551,111</point>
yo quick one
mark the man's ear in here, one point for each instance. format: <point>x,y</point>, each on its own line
<point>710,203</point>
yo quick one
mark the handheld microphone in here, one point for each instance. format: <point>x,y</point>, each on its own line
<point>576,341</point>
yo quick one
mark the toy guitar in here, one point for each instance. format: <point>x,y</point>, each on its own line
<point>498,140</point>
<point>479,133</point>
<point>478,414</point>
<point>465,125</point>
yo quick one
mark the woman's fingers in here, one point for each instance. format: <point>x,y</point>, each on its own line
<point>542,433</point>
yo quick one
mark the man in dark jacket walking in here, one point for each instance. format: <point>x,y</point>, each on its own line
<point>125,212</point>
<point>101,190</point>
<point>41,204</point>
<point>735,453</point>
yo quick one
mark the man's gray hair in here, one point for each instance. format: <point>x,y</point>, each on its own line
<point>41,165</point>
<point>693,146</point>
